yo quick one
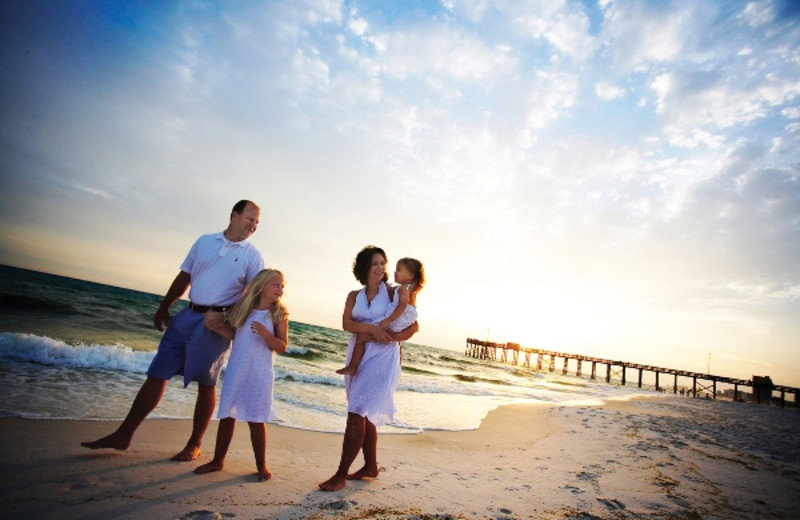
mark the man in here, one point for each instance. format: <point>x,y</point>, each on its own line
<point>217,269</point>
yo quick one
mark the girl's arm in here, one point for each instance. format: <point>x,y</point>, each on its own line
<point>226,331</point>
<point>357,327</point>
<point>402,303</point>
<point>279,341</point>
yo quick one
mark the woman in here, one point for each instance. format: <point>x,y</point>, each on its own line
<point>370,393</point>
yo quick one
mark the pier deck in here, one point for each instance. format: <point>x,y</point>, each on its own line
<point>513,353</point>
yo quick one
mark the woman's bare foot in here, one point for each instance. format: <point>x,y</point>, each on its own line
<point>347,371</point>
<point>115,441</point>
<point>209,468</point>
<point>334,483</point>
<point>187,454</point>
<point>364,473</point>
<point>264,474</point>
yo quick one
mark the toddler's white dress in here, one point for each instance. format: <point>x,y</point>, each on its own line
<point>408,317</point>
<point>370,393</point>
<point>247,386</point>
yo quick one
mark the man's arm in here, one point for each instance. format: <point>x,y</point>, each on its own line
<point>176,290</point>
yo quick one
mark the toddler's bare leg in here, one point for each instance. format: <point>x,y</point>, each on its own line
<point>358,353</point>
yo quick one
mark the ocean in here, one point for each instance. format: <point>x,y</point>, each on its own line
<point>73,349</point>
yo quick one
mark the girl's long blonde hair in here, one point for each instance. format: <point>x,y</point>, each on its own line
<point>252,293</point>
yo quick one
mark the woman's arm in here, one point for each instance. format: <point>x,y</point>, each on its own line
<point>406,333</point>
<point>357,327</point>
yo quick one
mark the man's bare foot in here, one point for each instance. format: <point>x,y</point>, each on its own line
<point>347,371</point>
<point>363,473</point>
<point>334,483</point>
<point>187,454</point>
<point>264,474</point>
<point>209,468</point>
<point>114,441</point>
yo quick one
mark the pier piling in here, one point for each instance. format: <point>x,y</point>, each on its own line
<point>763,389</point>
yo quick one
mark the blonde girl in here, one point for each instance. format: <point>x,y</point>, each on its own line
<point>259,326</point>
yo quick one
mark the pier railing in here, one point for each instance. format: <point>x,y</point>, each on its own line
<point>515,354</point>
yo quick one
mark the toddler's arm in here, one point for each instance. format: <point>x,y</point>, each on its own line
<point>402,303</point>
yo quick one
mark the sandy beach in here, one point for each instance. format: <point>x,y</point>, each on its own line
<point>662,457</point>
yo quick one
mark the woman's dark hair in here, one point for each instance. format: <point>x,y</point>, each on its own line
<point>363,263</point>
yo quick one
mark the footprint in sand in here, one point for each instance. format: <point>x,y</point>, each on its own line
<point>205,514</point>
<point>612,504</point>
<point>338,505</point>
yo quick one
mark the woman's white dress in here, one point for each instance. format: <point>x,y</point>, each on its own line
<point>370,393</point>
<point>247,387</point>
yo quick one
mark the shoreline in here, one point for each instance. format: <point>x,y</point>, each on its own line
<point>655,457</point>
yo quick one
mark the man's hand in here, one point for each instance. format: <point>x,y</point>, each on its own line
<point>213,320</point>
<point>178,287</point>
<point>161,318</point>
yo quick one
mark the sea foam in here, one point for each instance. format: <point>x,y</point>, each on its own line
<point>49,351</point>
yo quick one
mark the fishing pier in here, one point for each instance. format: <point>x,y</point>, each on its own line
<point>762,388</point>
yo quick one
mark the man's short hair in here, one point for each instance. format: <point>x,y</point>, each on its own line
<point>238,208</point>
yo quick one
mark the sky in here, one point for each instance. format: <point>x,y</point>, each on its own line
<point>614,179</point>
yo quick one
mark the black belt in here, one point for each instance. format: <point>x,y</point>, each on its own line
<point>206,308</point>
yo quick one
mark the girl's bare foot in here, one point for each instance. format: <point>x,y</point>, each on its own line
<point>364,473</point>
<point>334,483</point>
<point>264,474</point>
<point>210,467</point>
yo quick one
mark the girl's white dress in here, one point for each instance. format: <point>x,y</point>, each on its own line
<point>370,393</point>
<point>247,387</point>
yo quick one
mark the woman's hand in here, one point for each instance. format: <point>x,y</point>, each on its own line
<point>381,335</point>
<point>405,334</point>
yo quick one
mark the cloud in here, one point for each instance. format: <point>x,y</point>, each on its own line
<point>757,14</point>
<point>658,35</point>
<point>564,25</point>
<point>608,92</point>
<point>746,218</point>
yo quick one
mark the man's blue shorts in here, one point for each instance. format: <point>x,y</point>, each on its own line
<point>188,348</point>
